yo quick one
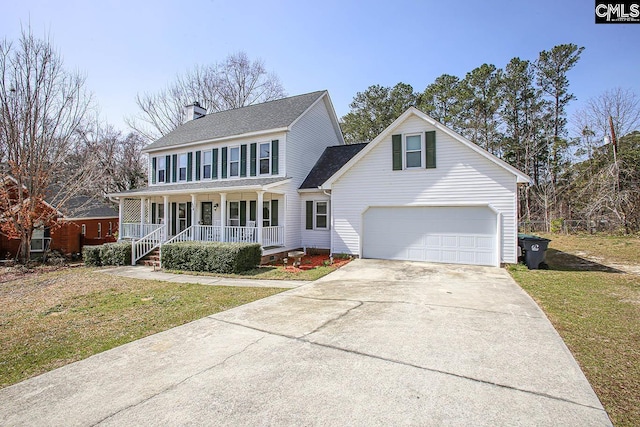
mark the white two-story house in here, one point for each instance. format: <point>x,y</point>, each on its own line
<point>231,176</point>
<point>279,174</point>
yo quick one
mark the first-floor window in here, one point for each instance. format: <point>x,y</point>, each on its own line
<point>99,230</point>
<point>234,161</point>
<point>182,217</point>
<point>84,229</point>
<point>206,164</point>
<point>110,228</point>
<point>37,240</point>
<point>322,214</point>
<point>266,214</point>
<point>234,213</point>
<point>159,213</point>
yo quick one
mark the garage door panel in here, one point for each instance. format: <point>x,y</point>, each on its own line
<point>465,235</point>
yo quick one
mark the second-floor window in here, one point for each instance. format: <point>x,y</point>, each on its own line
<point>182,167</point>
<point>234,161</point>
<point>162,169</point>
<point>206,164</point>
<point>265,158</point>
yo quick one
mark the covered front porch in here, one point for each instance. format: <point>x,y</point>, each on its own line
<point>150,220</point>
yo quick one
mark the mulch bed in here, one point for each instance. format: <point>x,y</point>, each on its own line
<point>309,262</point>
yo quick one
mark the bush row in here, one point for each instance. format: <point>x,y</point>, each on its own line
<point>107,254</point>
<point>214,257</point>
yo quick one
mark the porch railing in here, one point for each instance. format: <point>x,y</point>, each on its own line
<point>141,247</point>
<point>273,236</point>
<point>135,230</point>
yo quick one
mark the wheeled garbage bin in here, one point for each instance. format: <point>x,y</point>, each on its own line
<point>533,249</point>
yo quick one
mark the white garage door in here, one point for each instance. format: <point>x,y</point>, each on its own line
<point>459,235</point>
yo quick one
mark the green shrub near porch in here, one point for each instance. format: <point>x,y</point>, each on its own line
<point>213,257</point>
<point>107,254</point>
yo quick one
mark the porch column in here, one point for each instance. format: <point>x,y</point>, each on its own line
<point>120,216</point>
<point>194,218</point>
<point>259,218</point>
<point>223,215</point>
<point>143,212</point>
<point>166,219</point>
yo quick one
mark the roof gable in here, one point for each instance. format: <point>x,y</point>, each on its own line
<point>274,115</point>
<point>331,160</point>
<point>412,111</point>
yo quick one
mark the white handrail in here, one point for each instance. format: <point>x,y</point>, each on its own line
<point>135,230</point>
<point>273,236</point>
<point>141,247</point>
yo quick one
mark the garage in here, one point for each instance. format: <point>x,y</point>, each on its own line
<point>447,234</point>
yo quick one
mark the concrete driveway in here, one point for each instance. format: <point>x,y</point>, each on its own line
<point>375,343</point>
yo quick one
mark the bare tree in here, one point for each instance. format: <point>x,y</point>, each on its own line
<point>235,82</point>
<point>41,106</point>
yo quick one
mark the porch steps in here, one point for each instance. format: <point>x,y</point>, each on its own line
<point>152,259</point>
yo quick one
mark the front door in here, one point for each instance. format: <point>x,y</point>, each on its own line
<point>207,213</point>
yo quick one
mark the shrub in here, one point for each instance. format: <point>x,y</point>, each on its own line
<point>91,255</point>
<point>115,253</point>
<point>557,225</point>
<point>214,257</point>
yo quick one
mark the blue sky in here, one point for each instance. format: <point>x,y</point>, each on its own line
<point>126,47</point>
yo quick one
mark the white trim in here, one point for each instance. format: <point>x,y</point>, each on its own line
<point>221,139</point>
<point>520,177</point>
<point>404,150</point>
<point>258,158</point>
<point>166,190</point>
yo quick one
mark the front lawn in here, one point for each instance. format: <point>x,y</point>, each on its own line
<point>54,318</point>
<point>596,310</point>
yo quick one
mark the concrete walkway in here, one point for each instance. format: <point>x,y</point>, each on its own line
<point>374,343</point>
<point>148,273</point>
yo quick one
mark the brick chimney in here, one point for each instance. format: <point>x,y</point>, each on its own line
<point>193,111</point>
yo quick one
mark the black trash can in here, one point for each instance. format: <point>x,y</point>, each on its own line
<point>533,250</point>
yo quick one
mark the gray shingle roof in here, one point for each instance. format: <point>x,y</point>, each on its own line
<point>253,118</point>
<point>329,163</point>
<point>203,185</point>
<point>86,207</point>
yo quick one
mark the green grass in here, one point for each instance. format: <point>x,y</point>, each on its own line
<point>596,310</point>
<point>52,319</point>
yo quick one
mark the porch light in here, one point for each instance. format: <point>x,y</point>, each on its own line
<point>215,207</point>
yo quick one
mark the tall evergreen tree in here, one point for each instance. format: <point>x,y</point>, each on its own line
<point>443,100</point>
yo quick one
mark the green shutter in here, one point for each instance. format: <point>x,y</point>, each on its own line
<point>309,215</point>
<point>243,160</point>
<point>153,213</point>
<point>252,159</point>
<point>189,166</point>
<point>153,170</point>
<point>430,152</point>
<point>174,168</point>
<point>188,214</point>
<point>274,157</point>
<point>214,164</point>
<point>252,210</point>
<point>167,169</point>
<point>396,148</point>
<point>198,161</point>
<point>224,162</point>
<point>173,218</point>
<point>243,213</point>
<point>274,213</point>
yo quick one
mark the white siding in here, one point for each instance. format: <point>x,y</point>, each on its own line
<point>320,239</point>
<point>461,177</point>
<point>305,143</point>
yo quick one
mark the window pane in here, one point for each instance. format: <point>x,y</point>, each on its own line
<point>264,166</point>
<point>206,157</point>
<point>183,160</point>
<point>161,176</point>
<point>38,233</point>
<point>413,142</point>
<point>264,150</point>
<point>37,245</point>
<point>234,210</point>
<point>161,162</point>
<point>182,210</point>
<point>183,174</point>
<point>206,171</point>
<point>234,154</point>
<point>321,221</point>
<point>233,169</point>
<point>414,159</point>
<point>321,207</point>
